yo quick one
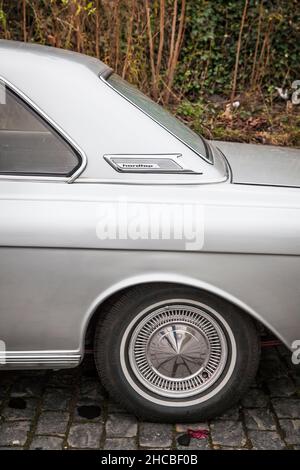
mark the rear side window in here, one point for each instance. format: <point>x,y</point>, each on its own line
<point>156,112</point>
<point>29,146</point>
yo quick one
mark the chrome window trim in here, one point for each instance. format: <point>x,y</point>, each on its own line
<point>104,76</point>
<point>58,129</point>
<point>228,167</point>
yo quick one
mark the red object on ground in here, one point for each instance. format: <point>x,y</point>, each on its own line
<point>198,433</point>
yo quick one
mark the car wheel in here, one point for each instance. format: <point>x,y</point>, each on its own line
<point>175,354</point>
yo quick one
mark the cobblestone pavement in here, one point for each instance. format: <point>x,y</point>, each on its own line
<point>69,409</point>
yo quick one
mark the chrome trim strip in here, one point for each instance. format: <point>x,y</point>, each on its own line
<point>59,179</point>
<point>38,358</point>
<point>59,130</point>
<point>149,183</point>
<point>104,78</point>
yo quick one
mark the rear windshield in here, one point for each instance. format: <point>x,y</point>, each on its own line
<point>156,112</point>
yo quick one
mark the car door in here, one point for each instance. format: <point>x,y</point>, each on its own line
<point>36,164</point>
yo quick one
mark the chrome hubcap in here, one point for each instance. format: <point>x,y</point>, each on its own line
<point>178,351</point>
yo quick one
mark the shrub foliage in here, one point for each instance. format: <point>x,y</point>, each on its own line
<point>181,52</point>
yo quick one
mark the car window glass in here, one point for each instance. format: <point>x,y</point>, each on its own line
<point>160,115</point>
<point>29,146</point>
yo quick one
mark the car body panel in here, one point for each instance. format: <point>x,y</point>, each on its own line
<point>49,295</point>
<point>234,218</point>
<point>55,269</point>
<point>262,165</point>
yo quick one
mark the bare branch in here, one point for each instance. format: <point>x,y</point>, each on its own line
<point>238,50</point>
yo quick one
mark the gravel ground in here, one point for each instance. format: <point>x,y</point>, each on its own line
<point>69,409</point>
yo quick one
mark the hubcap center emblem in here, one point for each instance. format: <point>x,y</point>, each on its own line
<point>178,351</point>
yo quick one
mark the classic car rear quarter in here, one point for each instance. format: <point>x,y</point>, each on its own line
<point>62,268</point>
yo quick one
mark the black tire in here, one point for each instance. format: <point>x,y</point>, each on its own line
<point>113,340</point>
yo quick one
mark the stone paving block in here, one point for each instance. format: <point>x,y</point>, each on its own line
<point>266,440</point>
<point>28,386</point>
<point>230,415</point>
<point>47,443</point>
<point>271,366</point>
<point>14,434</point>
<point>121,425</point>
<point>275,395</point>
<point>228,433</point>
<point>155,435</point>
<point>259,419</point>
<point>63,379</point>
<point>52,422</point>
<point>281,387</point>
<point>56,399</point>
<point>287,407</point>
<point>291,429</point>
<point>92,389</point>
<point>255,398</point>
<point>120,444</point>
<point>11,413</point>
<point>195,444</point>
<point>113,407</point>
<point>85,436</point>
<point>295,371</point>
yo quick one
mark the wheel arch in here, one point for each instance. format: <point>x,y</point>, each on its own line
<point>110,295</point>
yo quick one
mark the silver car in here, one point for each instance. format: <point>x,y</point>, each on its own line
<point>122,228</point>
